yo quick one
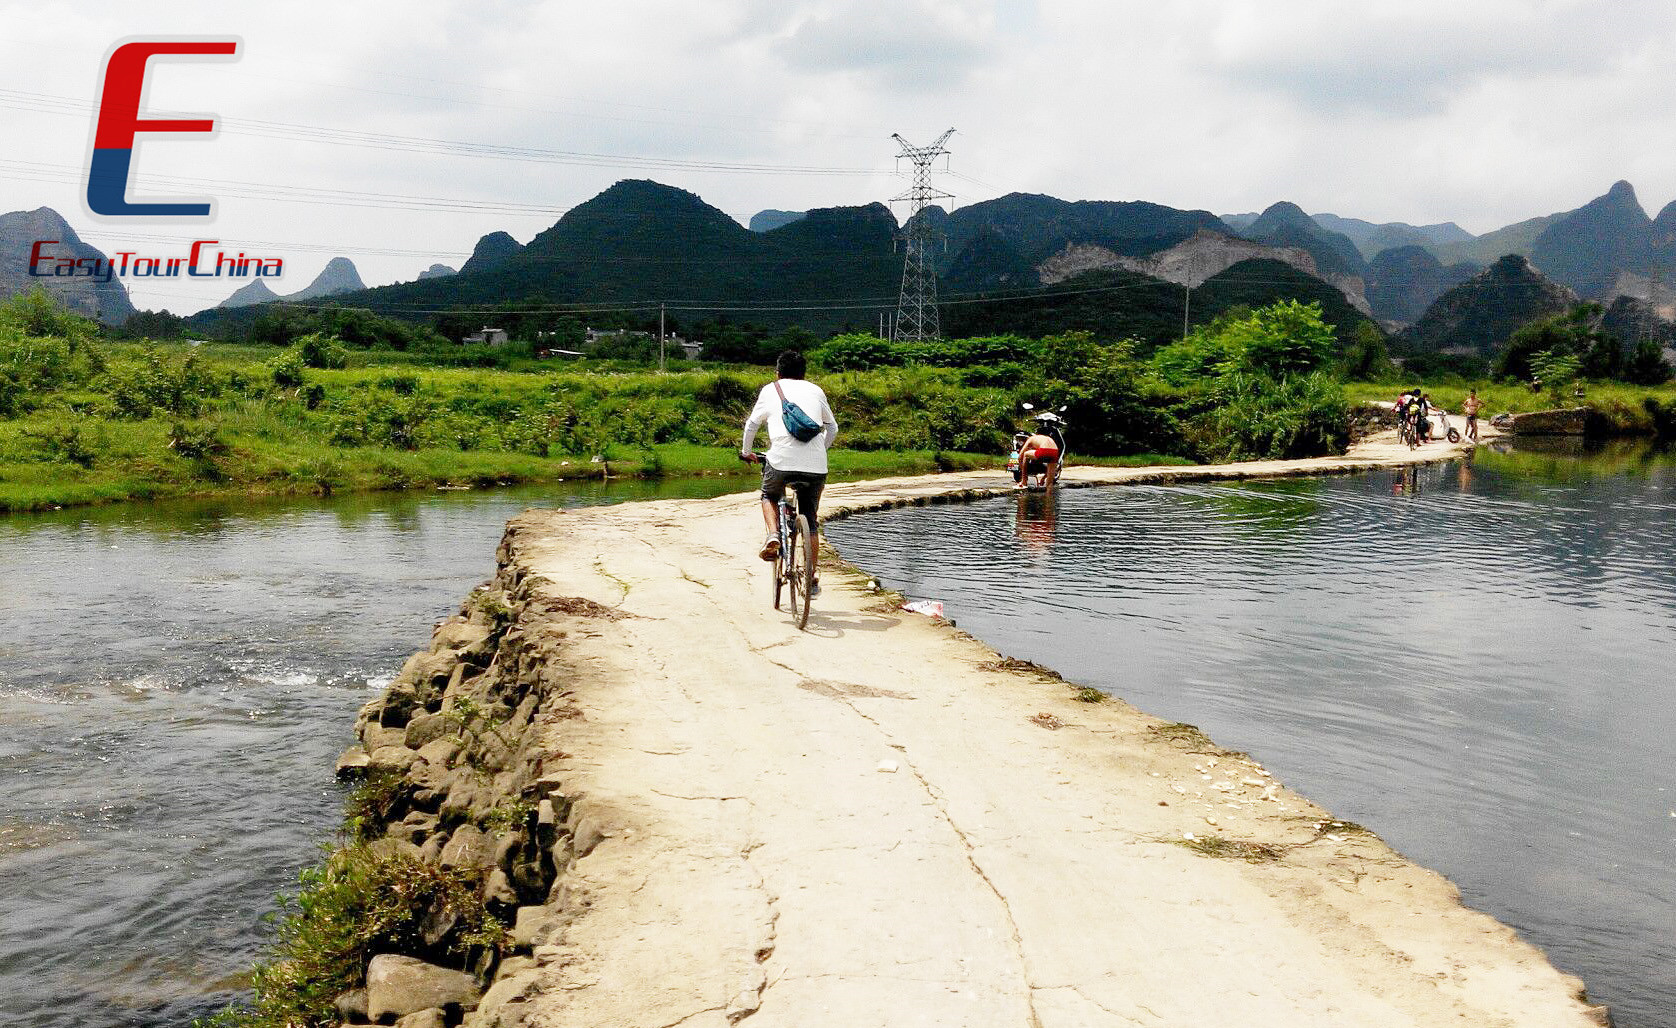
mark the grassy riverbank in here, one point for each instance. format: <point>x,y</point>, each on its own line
<point>103,422</point>
<point>85,419</point>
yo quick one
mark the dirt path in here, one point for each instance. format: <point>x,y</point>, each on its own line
<point>873,823</point>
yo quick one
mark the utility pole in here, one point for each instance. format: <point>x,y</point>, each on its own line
<point>1186,308</point>
<point>661,367</point>
<point>916,310</point>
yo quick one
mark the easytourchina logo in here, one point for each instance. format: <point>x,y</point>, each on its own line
<point>116,127</point>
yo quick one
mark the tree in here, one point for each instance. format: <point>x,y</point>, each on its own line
<point>1368,360</point>
<point>1283,339</point>
<point>1575,332</point>
<point>1554,370</point>
<point>1646,365</point>
<point>1604,358</point>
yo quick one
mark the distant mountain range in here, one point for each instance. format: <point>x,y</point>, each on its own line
<point>337,277</point>
<point>105,302</point>
<point>641,243</point>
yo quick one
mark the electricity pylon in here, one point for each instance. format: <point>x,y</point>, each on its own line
<point>916,310</point>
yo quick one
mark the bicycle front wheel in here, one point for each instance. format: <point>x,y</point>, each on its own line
<point>803,571</point>
<point>779,575</point>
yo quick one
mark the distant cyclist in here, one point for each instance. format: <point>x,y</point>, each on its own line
<point>799,464</point>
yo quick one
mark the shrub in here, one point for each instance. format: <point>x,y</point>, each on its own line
<point>287,370</point>
<point>196,441</point>
<point>728,393</point>
<point>856,352</point>
<point>355,905</point>
<point>322,351</point>
<point>65,441</point>
<point>35,312</point>
<point>161,385</point>
<point>30,367</point>
<point>1282,339</point>
<point>404,384</point>
<point>1554,370</point>
<point>382,420</point>
<point>1205,354</point>
<point>1259,418</point>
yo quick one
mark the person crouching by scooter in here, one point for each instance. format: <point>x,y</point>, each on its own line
<point>1039,455</point>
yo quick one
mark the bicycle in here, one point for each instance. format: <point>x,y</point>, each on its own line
<point>794,565</point>
<point>1406,434</point>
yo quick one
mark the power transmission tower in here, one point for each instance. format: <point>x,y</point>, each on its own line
<point>916,310</point>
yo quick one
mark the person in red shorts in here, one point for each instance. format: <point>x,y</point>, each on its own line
<point>1038,456</point>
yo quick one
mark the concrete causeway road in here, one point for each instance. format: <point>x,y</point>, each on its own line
<point>875,822</point>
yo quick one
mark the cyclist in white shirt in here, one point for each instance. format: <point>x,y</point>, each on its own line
<point>801,465</point>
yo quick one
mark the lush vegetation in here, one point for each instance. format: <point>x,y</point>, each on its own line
<point>1125,305</point>
<point>337,400</point>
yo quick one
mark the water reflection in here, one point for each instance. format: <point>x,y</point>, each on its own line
<point>1471,658</point>
<point>1034,520</point>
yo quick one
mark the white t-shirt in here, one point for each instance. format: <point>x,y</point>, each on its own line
<point>785,452</point>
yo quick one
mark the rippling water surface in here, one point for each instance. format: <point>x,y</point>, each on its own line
<point>1474,662</point>
<point>175,683</point>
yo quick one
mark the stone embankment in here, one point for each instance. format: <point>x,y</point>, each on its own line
<point>455,752</point>
<point>693,814</point>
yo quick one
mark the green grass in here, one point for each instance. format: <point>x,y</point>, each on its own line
<point>107,430</point>
<point>111,429</point>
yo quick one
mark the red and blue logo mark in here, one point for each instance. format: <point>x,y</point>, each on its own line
<point>119,122</point>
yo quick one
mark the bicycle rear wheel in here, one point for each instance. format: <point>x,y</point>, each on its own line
<point>803,571</point>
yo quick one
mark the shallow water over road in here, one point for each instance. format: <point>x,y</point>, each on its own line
<point>1473,661</point>
<point>175,683</point>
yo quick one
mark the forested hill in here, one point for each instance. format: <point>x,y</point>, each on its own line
<point>642,243</point>
<point>999,243</point>
<point>1121,304</point>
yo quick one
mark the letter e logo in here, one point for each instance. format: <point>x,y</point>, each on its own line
<point>119,121</point>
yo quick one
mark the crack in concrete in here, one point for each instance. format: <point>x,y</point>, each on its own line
<point>689,1017</point>
<point>940,803</point>
<point>718,799</point>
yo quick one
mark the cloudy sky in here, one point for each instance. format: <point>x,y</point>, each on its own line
<point>398,134</point>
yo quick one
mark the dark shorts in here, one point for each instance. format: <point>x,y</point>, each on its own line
<point>807,486</point>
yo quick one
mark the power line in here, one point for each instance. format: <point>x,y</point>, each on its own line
<point>70,106</point>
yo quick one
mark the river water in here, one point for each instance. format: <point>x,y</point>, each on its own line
<point>1474,661</point>
<point>176,681</point>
